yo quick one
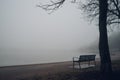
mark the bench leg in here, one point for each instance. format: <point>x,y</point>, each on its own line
<point>95,63</point>
<point>79,65</point>
<point>89,63</point>
<point>73,65</point>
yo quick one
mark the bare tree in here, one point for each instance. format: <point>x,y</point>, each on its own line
<point>106,68</point>
<point>91,8</point>
<point>107,12</point>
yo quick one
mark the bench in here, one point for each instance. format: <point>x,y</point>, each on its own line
<point>84,58</point>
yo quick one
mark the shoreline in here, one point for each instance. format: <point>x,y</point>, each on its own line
<point>113,57</point>
<point>34,64</point>
<point>97,59</point>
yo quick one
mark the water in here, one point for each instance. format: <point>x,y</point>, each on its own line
<point>23,57</point>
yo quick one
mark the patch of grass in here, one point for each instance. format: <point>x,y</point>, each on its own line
<point>84,74</point>
<point>90,75</point>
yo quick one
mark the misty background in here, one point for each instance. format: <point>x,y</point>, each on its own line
<point>29,35</point>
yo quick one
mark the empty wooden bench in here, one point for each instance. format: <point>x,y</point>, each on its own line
<point>84,58</point>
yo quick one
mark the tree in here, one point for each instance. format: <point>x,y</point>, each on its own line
<point>106,68</point>
<point>107,12</point>
<point>91,8</point>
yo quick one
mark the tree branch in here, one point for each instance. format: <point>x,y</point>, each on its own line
<point>117,8</point>
<point>53,6</point>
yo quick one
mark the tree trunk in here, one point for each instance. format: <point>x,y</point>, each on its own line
<point>106,68</point>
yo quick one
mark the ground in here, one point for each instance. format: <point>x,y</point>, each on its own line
<point>56,71</point>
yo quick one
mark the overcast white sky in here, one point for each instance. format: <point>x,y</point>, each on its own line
<point>23,25</point>
<point>27,31</point>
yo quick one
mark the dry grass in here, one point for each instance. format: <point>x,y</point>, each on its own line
<point>85,74</point>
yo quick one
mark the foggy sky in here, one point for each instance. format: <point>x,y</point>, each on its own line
<point>23,26</point>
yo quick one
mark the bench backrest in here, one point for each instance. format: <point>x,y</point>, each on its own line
<point>87,58</point>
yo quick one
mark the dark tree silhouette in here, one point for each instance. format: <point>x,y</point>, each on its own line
<point>107,12</point>
<point>106,68</point>
<point>91,8</point>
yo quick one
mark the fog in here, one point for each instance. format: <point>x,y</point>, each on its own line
<point>29,35</point>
